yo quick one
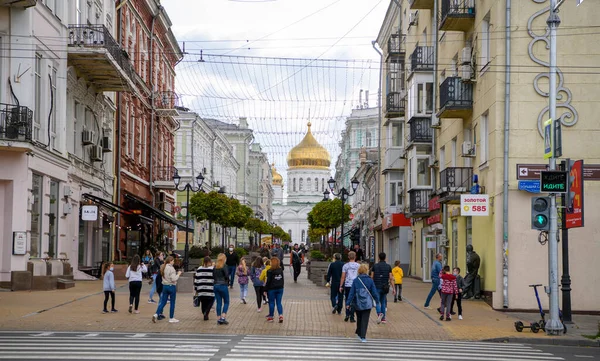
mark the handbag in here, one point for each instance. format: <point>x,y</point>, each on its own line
<point>196,301</point>
<point>372,298</point>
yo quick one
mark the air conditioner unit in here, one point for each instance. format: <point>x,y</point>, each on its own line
<point>466,72</point>
<point>465,55</point>
<point>413,19</point>
<point>67,208</point>
<point>468,150</point>
<point>67,192</point>
<point>106,144</point>
<point>96,153</point>
<point>87,137</point>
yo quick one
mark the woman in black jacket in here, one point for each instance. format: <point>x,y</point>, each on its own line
<point>274,287</point>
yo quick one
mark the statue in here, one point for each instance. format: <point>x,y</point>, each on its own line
<point>471,287</point>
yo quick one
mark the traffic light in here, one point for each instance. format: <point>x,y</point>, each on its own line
<point>540,213</point>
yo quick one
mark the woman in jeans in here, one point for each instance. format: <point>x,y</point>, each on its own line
<point>274,287</point>
<point>155,272</point>
<point>169,281</point>
<point>364,296</point>
<point>242,273</point>
<point>204,281</point>
<point>221,290</point>
<point>259,286</point>
<point>134,274</point>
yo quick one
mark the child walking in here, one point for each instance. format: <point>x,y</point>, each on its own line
<point>460,284</point>
<point>109,286</point>
<point>449,289</point>
<point>398,275</point>
<point>242,273</point>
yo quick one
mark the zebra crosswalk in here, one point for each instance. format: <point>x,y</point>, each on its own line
<point>258,348</point>
<point>107,346</point>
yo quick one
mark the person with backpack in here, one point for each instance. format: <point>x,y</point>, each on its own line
<point>363,296</point>
<point>243,277</point>
<point>274,286</point>
<point>155,273</point>
<point>259,286</point>
<point>296,261</point>
<point>384,280</point>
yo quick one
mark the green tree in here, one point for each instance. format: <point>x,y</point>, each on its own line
<point>326,215</point>
<point>212,207</point>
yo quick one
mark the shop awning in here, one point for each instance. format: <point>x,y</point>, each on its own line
<point>159,214</point>
<point>106,204</point>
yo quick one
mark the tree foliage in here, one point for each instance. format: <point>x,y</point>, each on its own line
<point>328,214</point>
<point>213,207</point>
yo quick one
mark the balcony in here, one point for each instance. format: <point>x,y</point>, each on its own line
<point>18,3</point>
<point>453,182</point>
<point>16,126</point>
<point>393,159</point>
<point>420,4</point>
<point>166,104</point>
<point>456,98</point>
<point>98,57</point>
<point>420,130</point>
<point>422,59</point>
<point>163,177</point>
<point>395,105</point>
<point>418,202</point>
<point>457,15</point>
<point>396,45</point>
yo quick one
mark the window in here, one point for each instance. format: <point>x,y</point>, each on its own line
<point>322,184</point>
<point>37,125</point>
<point>303,235</point>
<point>453,144</point>
<point>294,185</point>
<point>454,243</point>
<point>483,138</point>
<point>132,120</point>
<point>411,161</point>
<point>49,4</point>
<point>126,133</point>
<point>141,140</point>
<point>144,142</point>
<point>442,158</point>
<point>394,196</point>
<point>308,184</point>
<point>469,230</point>
<point>423,171</point>
<point>467,138</point>
<point>316,184</point>
<point>35,224</point>
<point>369,142</point>
<point>485,41</point>
<point>424,98</point>
<point>76,126</point>
<point>290,233</point>
<point>397,134</point>
<point>53,219</point>
<point>429,97</point>
<point>53,132</point>
<point>300,185</point>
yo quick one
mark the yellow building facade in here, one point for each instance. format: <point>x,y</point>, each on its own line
<point>456,67</point>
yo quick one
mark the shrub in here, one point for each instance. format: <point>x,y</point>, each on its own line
<point>214,252</point>
<point>317,255</point>
<point>241,252</point>
<point>198,252</point>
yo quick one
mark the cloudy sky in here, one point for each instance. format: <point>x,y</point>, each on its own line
<point>275,62</point>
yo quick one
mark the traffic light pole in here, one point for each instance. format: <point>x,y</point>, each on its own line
<point>566,277</point>
<point>553,326</point>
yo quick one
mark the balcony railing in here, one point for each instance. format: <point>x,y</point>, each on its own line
<point>395,105</point>
<point>456,179</point>
<point>16,123</point>
<point>97,55</point>
<point>456,98</point>
<point>396,45</point>
<point>421,4</point>
<point>457,15</point>
<point>422,59</point>
<point>166,103</point>
<point>420,130</point>
<point>164,173</point>
<point>419,201</point>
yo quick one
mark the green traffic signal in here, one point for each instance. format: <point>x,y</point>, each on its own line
<point>540,213</point>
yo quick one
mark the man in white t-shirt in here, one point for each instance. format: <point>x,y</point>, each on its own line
<point>349,274</point>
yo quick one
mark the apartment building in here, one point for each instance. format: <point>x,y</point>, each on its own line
<point>485,93</point>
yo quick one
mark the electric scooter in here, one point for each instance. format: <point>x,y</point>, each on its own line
<point>537,326</point>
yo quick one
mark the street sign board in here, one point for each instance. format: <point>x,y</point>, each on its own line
<point>474,204</point>
<point>548,140</point>
<point>89,213</point>
<point>554,181</point>
<point>531,186</point>
<point>574,213</point>
<point>591,172</point>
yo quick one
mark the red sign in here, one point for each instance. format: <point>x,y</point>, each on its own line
<point>434,204</point>
<point>574,217</point>
<point>434,219</point>
<point>395,220</point>
<point>351,216</point>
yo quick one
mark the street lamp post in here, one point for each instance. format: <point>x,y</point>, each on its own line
<point>344,195</point>
<point>188,187</point>
<point>325,239</point>
<point>259,215</point>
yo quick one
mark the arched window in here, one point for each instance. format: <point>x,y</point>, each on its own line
<point>317,185</point>
<point>322,184</point>
<point>300,184</point>
<point>308,184</point>
<point>290,233</point>
<point>294,185</point>
<point>303,235</point>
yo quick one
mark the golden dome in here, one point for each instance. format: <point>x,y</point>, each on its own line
<point>308,154</point>
<point>277,178</point>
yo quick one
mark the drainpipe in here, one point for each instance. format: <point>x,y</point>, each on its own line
<point>506,144</point>
<point>153,106</point>
<point>378,210</point>
<point>434,119</point>
<point>118,150</point>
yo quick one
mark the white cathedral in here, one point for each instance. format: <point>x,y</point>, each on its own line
<point>308,173</point>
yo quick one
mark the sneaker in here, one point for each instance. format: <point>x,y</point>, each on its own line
<point>352,320</point>
<point>448,318</point>
<point>379,318</point>
<point>384,321</point>
<point>168,301</point>
<point>154,318</point>
<point>442,318</point>
<point>161,317</point>
<point>173,320</point>
<point>151,301</point>
<point>395,300</point>
<point>264,302</point>
<point>363,340</point>
<point>334,310</point>
<point>206,317</point>
<point>241,302</point>
<point>104,311</point>
<point>130,308</point>
<point>114,310</point>
<point>358,337</point>
<point>260,309</point>
<point>460,317</point>
<point>453,313</point>
<point>136,312</point>
<point>224,322</point>
<point>244,300</point>
<point>280,319</point>
<point>346,319</point>
<point>427,307</point>
<point>269,319</point>
<point>220,321</point>
<point>439,309</point>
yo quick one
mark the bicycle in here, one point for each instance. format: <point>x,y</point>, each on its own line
<point>541,325</point>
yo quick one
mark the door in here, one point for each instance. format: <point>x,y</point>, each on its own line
<point>429,247</point>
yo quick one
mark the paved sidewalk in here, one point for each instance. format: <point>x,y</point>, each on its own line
<point>307,312</point>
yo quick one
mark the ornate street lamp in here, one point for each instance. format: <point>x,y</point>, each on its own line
<point>188,187</point>
<point>343,194</point>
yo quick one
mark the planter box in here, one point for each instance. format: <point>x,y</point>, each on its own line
<point>317,271</point>
<point>119,272</point>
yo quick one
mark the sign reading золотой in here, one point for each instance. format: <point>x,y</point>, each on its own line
<point>474,204</point>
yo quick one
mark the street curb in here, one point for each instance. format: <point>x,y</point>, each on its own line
<point>554,341</point>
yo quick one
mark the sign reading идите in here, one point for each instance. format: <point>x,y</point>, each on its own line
<point>474,204</point>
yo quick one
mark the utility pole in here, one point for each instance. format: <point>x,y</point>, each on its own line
<point>553,326</point>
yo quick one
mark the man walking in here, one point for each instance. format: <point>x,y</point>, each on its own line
<point>359,253</point>
<point>334,278</point>
<point>296,261</point>
<point>384,280</point>
<point>232,261</point>
<point>349,273</point>
<point>278,252</point>
<point>436,268</point>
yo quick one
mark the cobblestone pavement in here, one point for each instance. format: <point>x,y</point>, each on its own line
<point>307,312</point>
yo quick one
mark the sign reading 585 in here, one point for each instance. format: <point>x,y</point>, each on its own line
<point>474,204</point>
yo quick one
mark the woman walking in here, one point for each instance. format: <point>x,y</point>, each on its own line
<point>242,273</point>
<point>147,261</point>
<point>135,273</point>
<point>204,281</point>
<point>155,273</point>
<point>109,287</point>
<point>221,290</point>
<point>169,282</point>
<point>274,287</point>
<point>364,296</point>
<point>259,286</point>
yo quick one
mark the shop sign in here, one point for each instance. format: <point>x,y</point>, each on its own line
<point>574,211</point>
<point>474,204</point>
<point>434,219</point>
<point>89,213</point>
<point>19,243</point>
<point>434,204</point>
